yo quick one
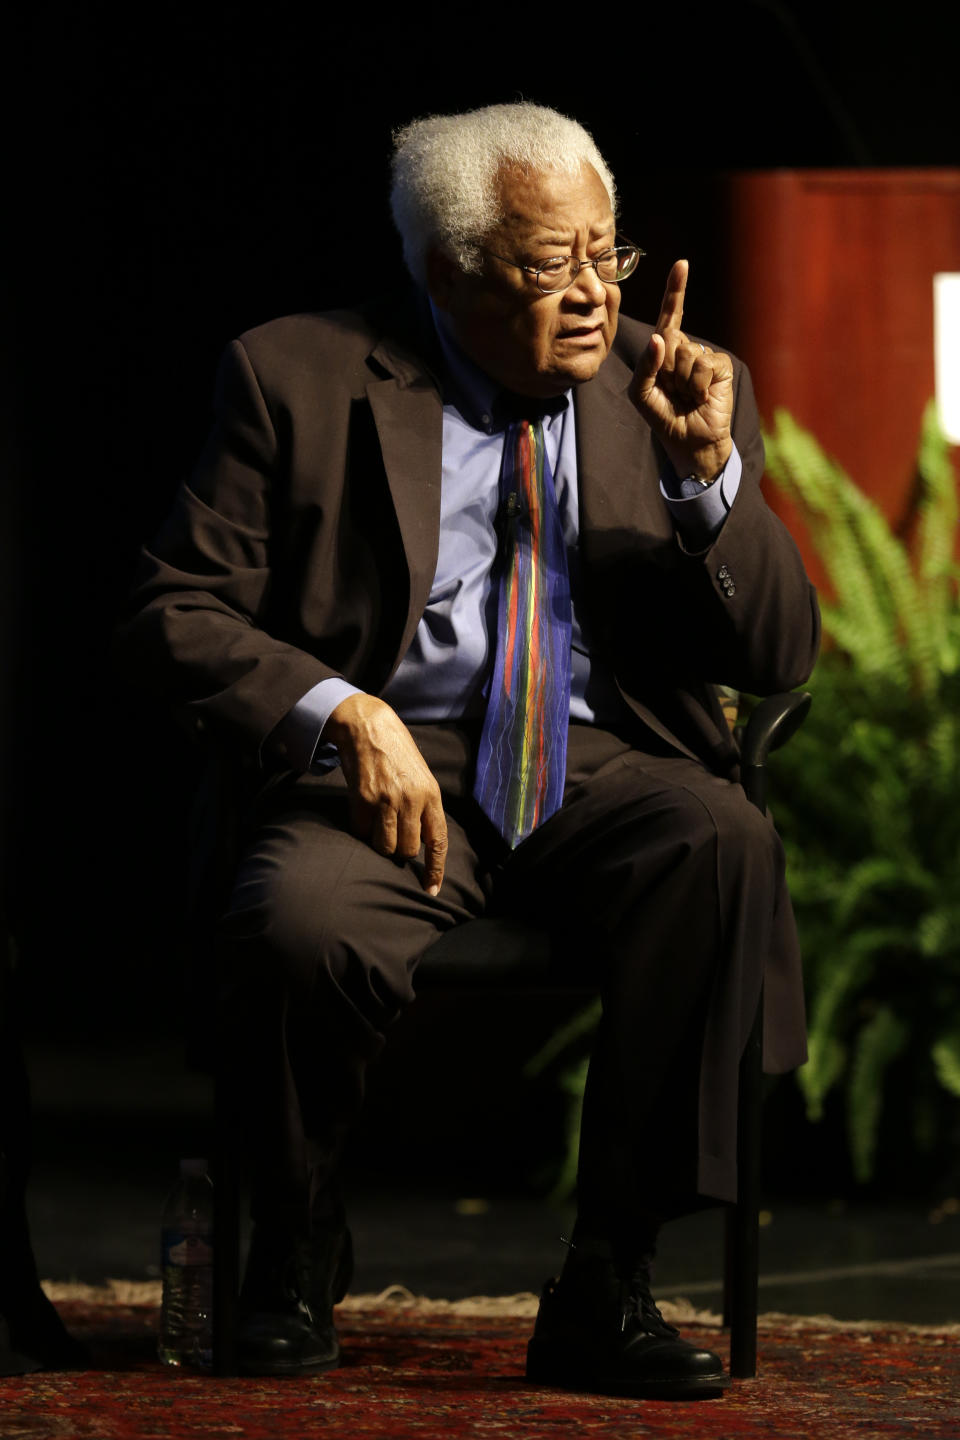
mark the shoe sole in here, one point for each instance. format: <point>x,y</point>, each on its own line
<point>278,1368</point>
<point>545,1366</point>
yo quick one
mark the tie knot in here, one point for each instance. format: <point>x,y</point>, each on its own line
<point>511,409</point>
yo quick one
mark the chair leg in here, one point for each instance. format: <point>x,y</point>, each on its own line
<point>226,1236</point>
<point>732,1227</point>
<point>743,1221</point>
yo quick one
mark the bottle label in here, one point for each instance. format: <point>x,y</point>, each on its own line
<point>187,1249</point>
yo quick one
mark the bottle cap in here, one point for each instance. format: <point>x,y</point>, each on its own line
<point>193,1167</point>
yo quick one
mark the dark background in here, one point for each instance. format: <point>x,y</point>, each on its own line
<point>178,176</point>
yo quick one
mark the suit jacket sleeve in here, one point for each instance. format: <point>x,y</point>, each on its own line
<point>198,632</point>
<point>760,622</point>
<point>741,612</point>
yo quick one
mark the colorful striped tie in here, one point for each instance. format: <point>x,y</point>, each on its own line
<point>521,762</point>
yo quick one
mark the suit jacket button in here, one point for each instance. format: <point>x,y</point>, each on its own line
<point>730,589</point>
<point>722,573</point>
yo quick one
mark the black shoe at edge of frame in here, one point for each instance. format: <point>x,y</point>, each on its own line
<point>601,1332</point>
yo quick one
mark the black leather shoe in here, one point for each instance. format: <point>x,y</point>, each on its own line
<point>600,1332</point>
<point>289,1290</point>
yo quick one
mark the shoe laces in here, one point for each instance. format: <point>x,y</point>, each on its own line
<point>635,1300</point>
<point>636,1303</point>
<point>320,1269</point>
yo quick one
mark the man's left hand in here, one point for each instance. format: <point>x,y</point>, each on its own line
<point>684,390</point>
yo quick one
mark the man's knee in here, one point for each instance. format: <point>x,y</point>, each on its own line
<point>706,841</point>
<point>746,837</point>
<point>314,937</point>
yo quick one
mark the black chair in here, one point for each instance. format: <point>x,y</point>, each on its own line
<point>509,954</point>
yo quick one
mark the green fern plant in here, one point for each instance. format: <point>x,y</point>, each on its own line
<point>867,798</point>
<point>868,793</point>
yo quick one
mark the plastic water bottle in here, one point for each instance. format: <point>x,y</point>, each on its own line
<point>186,1316</point>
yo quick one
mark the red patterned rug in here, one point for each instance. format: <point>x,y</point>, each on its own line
<point>427,1369</point>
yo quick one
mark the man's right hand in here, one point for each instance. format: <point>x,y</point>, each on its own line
<point>395,800</point>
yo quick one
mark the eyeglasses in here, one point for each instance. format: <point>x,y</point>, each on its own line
<point>560,271</point>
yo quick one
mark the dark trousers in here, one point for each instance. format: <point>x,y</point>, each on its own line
<point>667,884</point>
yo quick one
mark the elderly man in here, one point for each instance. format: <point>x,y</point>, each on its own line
<point>454,581</point>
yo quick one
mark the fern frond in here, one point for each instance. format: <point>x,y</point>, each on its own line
<point>938,932</point>
<point>883,615</point>
<point>946,1062</point>
<point>938,510</point>
<point>879,872</point>
<point>882,553</point>
<point>573,1082</point>
<point>584,1022</point>
<point>942,753</point>
<point>879,1042</point>
<point>843,970</point>
<point>802,469</point>
<point>827,1060</point>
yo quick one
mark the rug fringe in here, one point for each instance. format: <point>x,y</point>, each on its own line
<point>523,1305</point>
<point>398,1297</point>
<point>111,1292</point>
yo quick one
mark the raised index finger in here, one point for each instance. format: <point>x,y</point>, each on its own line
<point>671,307</point>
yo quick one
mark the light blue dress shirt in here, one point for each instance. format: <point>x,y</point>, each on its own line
<point>443,674</point>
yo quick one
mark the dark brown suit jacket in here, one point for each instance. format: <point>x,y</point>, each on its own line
<point>305,546</point>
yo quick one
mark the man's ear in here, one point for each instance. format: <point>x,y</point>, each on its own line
<point>443,275</point>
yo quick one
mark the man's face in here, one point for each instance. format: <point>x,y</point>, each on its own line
<point>532,343</point>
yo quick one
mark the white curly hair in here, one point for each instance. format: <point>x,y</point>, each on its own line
<point>445,167</point>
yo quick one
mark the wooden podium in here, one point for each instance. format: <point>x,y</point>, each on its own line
<point>830,302</point>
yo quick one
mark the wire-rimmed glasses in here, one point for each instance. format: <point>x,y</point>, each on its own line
<point>560,271</point>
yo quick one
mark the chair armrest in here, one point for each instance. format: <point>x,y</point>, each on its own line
<point>771,725</point>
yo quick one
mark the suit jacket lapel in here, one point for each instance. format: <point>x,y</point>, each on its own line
<point>408,413</point>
